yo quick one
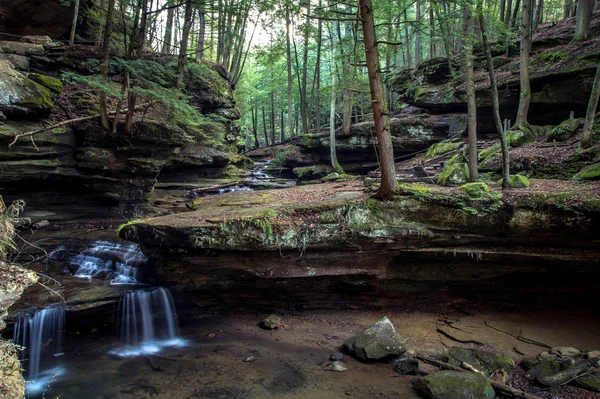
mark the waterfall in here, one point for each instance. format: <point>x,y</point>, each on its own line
<point>148,322</point>
<point>118,261</point>
<point>41,332</point>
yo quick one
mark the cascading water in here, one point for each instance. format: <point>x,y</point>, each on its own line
<point>41,333</point>
<point>120,261</point>
<point>148,322</point>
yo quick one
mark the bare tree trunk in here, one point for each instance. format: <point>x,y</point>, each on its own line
<point>567,8</point>
<point>166,48</point>
<point>431,33</point>
<point>525,97</point>
<point>264,118</point>
<point>584,16</point>
<point>346,77</point>
<point>74,27</point>
<point>495,100</point>
<point>317,76</point>
<point>254,115</point>
<point>586,141</point>
<point>418,36</point>
<point>407,38</point>
<point>502,8</point>
<point>471,104</point>
<point>537,19</point>
<point>183,47</point>
<point>507,13</point>
<point>273,118</point>
<point>201,32</point>
<point>303,81</point>
<point>289,74</point>
<point>332,151</point>
<point>387,189</point>
<point>516,13</point>
<point>104,66</point>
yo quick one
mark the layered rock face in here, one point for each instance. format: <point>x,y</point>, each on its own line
<point>561,73</point>
<point>82,163</point>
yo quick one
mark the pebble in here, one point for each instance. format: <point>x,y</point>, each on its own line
<point>338,365</point>
<point>249,359</point>
<point>336,356</point>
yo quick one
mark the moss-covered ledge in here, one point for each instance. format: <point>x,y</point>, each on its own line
<point>343,217</point>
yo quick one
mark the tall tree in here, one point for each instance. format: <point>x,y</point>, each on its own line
<point>74,27</point>
<point>104,65</point>
<point>470,84</point>
<point>332,151</point>
<point>166,47</point>
<point>183,46</point>
<point>387,189</point>
<point>495,99</point>
<point>418,35</point>
<point>525,96</point>
<point>584,15</point>
<point>586,140</point>
<point>290,81</point>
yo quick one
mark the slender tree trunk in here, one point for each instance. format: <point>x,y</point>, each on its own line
<point>201,32</point>
<point>495,99</point>
<point>407,37</point>
<point>584,16</point>
<point>502,9</point>
<point>470,84</point>
<point>183,47</point>
<point>516,13</point>
<point>254,115</point>
<point>74,27</point>
<point>290,77</point>
<point>387,189</point>
<point>431,34</point>
<point>347,78</point>
<point>537,19</point>
<point>166,48</point>
<point>418,36</point>
<point>332,151</point>
<point>507,13</point>
<point>303,82</point>
<point>567,8</point>
<point>264,118</point>
<point>281,119</point>
<point>525,96</point>
<point>104,66</point>
<point>586,141</point>
<point>273,118</point>
<point>142,31</point>
<point>317,76</point>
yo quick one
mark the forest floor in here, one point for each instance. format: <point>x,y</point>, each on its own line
<point>229,356</point>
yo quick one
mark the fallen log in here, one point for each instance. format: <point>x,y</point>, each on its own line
<point>505,389</point>
<point>568,374</point>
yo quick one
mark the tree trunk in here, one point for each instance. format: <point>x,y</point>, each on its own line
<point>347,78</point>
<point>332,151</point>
<point>584,16</point>
<point>495,100</point>
<point>74,27</point>
<point>586,140</point>
<point>387,189</point>
<point>290,78</point>
<point>183,46</point>
<point>317,78</point>
<point>537,19</point>
<point>507,13</point>
<point>418,36</point>
<point>254,115</point>
<point>567,9</point>
<point>432,34</point>
<point>516,13</point>
<point>166,48</point>
<point>525,96</point>
<point>470,84</point>
<point>502,8</point>
<point>303,82</point>
<point>407,41</point>
<point>264,118</point>
<point>201,32</point>
<point>273,118</point>
<point>104,66</point>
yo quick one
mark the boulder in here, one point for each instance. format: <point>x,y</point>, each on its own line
<point>485,361</point>
<point>406,366</point>
<point>544,368</point>
<point>21,96</point>
<point>590,382</point>
<point>564,131</point>
<point>20,48</point>
<point>591,172</point>
<point>454,174</point>
<point>455,385</point>
<point>378,342</point>
<point>20,62</point>
<point>565,351</point>
<point>36,39</point>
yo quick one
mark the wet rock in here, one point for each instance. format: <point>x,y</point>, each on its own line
<point>21,48</point>
<point>544,368</point>
<point>338,365</point>
<point>590,382</point>
<point>546,355</point>
<point>19,61</point>
<point>22,96</point>
<point>565,351</point>
<point>378,342</point>
<point>529,363</point>
<point>406,366</point>
<point>486,361</point>
<point>336,356</point>
<point>271,322</point>
<point>455,385</point>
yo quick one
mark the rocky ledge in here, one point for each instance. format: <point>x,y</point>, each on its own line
<point>337,241</point>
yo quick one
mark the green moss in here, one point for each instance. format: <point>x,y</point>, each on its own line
<point>339,177</point>
<point>475,190</point>
<point>501,61</point>
<point>443,147</point>
<point>130,223</point>
<point>517,181</point>
<point>550,57</point>
<point>518,137</point>
<point>455,385</point>
<point>489,152</point>
<point>44,98</point>
<point>564,131</point>
<point>312,172</point>
<point>589,382</point>
<point>591,172</point>
<point>233,171</point>
<point>483,360</point>
<point>241,161</point>
<point>48,82</point>
<point>454,174</point>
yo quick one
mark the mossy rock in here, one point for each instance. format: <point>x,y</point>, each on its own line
<point>475,190</point>
<point>545,368</point>
<point>564,131</point>
<point>590,382</point>
<point>486,361</point>
<point>20,95</point>
<point>455,174</point>
<point>501,61</point>
<point>529,363</point>
<point>455,385</point>
<point>53,84</point>
<point>443,147</point>
<point>314,172</point>
<point>339,177</point>
<point>517,181</point>
<point>488,152</point>
<point>591,172</point>
<point>378,342</point>
<point>241,161</point>
<point>516,138</point>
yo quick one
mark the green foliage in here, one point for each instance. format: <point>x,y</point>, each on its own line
<point>489,152</point>
<point>443,147</point>
<point>550,57</point>
<point>475,190</point>
<point>564,131</point>
<point>591,172</point>
<point>455,174</point>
